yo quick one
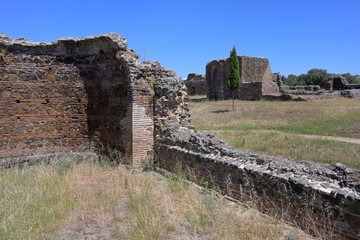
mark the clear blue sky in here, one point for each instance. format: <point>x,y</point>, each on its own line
<point>295,35</point>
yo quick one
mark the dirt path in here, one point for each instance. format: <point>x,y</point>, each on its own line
<point>334,138</point>
<point>340,139</point>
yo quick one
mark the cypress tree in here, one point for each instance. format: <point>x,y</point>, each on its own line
<point>233,78</point>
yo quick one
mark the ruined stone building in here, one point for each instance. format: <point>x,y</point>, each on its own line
<point>94,95</point>
<point>82,95</point>
<point>255,74</point>
<point>337,82</point>
<point>196,84</point>
<point>258,82</point>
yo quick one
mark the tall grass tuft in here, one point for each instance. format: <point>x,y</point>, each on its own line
<point>87,199</point>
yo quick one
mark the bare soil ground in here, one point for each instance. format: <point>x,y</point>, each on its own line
<point>314,136</point>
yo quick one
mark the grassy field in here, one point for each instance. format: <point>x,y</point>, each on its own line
<point>96,201</point>
<point>263,126</point>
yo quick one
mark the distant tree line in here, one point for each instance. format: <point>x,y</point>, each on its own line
<point>316,76</point>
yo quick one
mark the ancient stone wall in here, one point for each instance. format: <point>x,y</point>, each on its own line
<point>76,95</point>
<point>301,90</point>
<point>94,93</point>
<point>196,84</point>
<point>255,74</point>
<point>307,193</point>
<point>338,83</point>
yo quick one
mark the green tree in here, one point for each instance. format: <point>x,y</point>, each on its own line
<point>350,78</point>
<point>291,80</point>
<point>233,78</point>
<point>301,79</point>
<point>317,76</point>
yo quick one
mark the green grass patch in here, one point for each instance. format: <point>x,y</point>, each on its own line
<point>330,126</point>
<point>331,117</point>
<point>318,150</point>
<point>30,202</point>
<point>246,127</point>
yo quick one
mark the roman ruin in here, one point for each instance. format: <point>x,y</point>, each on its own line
<point>80,95</point>
<point>337,83</point>
<point>259,83</point>
<point>255,74</point>
<point>196,84</point>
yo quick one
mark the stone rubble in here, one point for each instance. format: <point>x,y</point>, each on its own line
<point>332,190</point>
<point>142,109</point>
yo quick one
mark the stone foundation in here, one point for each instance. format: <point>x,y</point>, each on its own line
<point>304,192</point>
<point>301,90</point>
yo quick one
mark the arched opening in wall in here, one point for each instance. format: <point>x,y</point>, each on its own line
<point>193,90</point>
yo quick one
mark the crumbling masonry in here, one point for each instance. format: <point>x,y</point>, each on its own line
<point>259,83</point>
<point>255,73</point>
<point>196,84</point>
<point>73,93</point>
<point>80,95</point>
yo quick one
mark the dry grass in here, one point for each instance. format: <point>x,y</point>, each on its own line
<point>88,200</point>
<point>333,117</point>
<point>197,96</point>
<point>318,150</point>
<point>245,127</point>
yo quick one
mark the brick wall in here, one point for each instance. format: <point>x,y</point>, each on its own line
<point>43,103</point>
<point>75,95</point>
<point>255,74</point>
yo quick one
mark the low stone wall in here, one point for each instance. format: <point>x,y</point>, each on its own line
<point>301,90</point>
<point>351,93</point>
<point>307,192</point>
<point>337,82</point>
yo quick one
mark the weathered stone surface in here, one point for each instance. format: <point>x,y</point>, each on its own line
<point>351,93</point>
<point>82,95</point>
<point>337,82</point>
<point>301,90</point>
<point>291,92</point>
<point>66,46</point>
<point>4,37</point>
<point>273,182</point>
<point>196,84</point>
<point>76,95</point>
<point>62,95</point>
<point>276,78</point>
<point>255,74</point>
